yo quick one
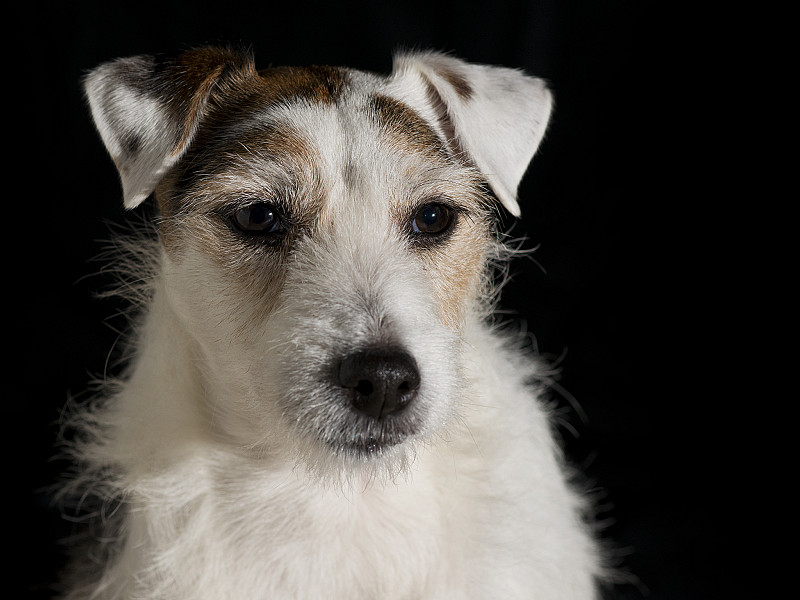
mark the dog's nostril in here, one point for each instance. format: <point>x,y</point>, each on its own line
<point>381,381</point>
<point>364,387</point>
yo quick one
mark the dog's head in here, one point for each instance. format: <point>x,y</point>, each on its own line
<point>325,231</point>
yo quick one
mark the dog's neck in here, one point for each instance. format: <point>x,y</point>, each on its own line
<point>163,399</point>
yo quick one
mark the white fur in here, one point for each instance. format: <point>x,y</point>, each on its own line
<point>212,444</point>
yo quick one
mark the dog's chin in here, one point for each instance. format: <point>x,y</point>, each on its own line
<point>377,452</point>
<point>368,438</point>
<point>369,447</point>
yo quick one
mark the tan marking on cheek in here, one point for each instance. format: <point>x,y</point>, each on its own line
<point>457,272</point>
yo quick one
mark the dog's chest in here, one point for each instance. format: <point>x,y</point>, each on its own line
<point>303,542</point>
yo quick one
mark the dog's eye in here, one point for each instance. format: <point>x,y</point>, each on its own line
<point>257,218</point>
<point>432,219</point>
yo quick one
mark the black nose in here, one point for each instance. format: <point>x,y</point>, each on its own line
<point>381,381</point>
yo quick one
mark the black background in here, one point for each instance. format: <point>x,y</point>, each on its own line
<point>607,293</point>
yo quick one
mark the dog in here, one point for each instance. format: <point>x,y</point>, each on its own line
<point>318,403</point>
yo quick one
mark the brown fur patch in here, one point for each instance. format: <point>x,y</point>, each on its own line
<point>405,126</point>
<point>188,83</point>
<point>217,156</point>
<point>268,163</point>
<point>210,89</point>
<point>194,109</point>
<point>315,84</point>
<point>229,78</point>
<point>263,161</point>
<point>206,88</point>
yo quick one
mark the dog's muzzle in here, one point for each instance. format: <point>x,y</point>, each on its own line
<point>372,402</point>
<point>380,382</point>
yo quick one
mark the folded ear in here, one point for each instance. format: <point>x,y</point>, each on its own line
<point>147,111</point>
<point>492,116</point>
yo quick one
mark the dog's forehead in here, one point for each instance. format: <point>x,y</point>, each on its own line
<point>314,114</point>
<point>312,137</point>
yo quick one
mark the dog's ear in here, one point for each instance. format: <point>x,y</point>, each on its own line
<point>494,117</point>
<point>147,111</point>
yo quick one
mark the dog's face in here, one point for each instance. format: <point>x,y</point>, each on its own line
<point>325,233</point>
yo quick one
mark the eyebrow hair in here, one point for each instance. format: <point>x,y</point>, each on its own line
<point>405,125</point>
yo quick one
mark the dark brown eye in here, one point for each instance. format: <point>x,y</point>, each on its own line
<point>432,219</point>
<point>260,217</point>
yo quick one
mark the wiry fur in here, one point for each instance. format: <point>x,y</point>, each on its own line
<point>224,464</point>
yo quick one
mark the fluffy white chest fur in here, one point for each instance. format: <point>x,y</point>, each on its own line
<point>316,406</point>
